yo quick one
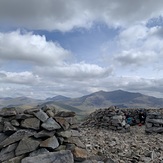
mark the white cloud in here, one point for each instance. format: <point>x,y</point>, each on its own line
<point>32,48</point>
<point>26,78</point>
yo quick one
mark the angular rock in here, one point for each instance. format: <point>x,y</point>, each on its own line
<point>44,133</point>
<point>50,113</point>
<point>154,129</point>
<point>38,152</point>
<point>9,128</point>
<point>8,112</point>
<point>31,111</point>
<point>76,141</point>
<point>2,137</point>
<point>20,134</point>
<point>157,121</point>
<point>50,124</point>
<point>8,152</point>
<point>41,115</point>
<point>52,157</point>
<point>79,154</point>
<point>62,121</point>
<point>31,123</point>
<point>65,134</point>
<point>51,143</point>
<point>26,145</point>
<point>23,116</point>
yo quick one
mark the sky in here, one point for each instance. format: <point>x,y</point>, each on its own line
<point>77,47</point>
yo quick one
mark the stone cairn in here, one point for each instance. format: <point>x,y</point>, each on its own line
<point>39,136</point>
<point>110,118</point>
<point>154,123</point>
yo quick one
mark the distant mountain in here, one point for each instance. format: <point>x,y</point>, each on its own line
<point>119,98</point>
<point>58,98</point>
<point>19,102</point>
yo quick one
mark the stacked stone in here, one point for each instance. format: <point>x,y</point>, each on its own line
<point>109,118</point>
<point>154,123</point>
<point>39,136</point>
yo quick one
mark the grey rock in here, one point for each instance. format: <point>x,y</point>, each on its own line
<point>76,141</point>
<point>23,116</point>
<point>50,124</point>
<point>15,123</point>
<point>52,157</point>
<point>63,122</point>
<point>41,115</point>
<point>158,121</point>
<point>31,123</point>
<point>8,152</point>
<point>38,152</point>
<point>8,112</point>
<point>44,133</point>
<point>26,145</point>
<point>2,137</point>
<point>20,134</point>
<point>50,113</point>
<point>51,143</point>
<point>14,160</point>
<point>9,128</point>
<point>31,111</point>
<point>154,129</point>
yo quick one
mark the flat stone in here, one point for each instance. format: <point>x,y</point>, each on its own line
<point>154,129</point>
<point>76,141</point>
<point>50,124</point>
<point>38,152</point>
<point>2,137</point>
<point>63,122</point>
<point>65,134</point>
<point>50,113</point>
<point>26,145</point>
<point>157,121</point>
<point>8,152</point>
<point>8,112</point>
<point>51,143</point>
<point>20,134</point>
<point>52,157</point>
<point>44,133</point>
<point>41,115</point>
<point>23,116</point>
<point>31,123</point>
<point>31,111</point>
<point>79,154</point>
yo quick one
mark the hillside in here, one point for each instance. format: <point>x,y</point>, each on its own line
<point>118,98</point>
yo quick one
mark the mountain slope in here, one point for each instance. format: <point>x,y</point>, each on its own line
<point>119,98</point>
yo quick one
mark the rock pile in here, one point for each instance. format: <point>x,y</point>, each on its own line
<point>39,136</point>
<point>109,118</point>
<point>154,123</point>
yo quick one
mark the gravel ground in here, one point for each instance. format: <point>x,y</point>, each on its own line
<point>132,147</point>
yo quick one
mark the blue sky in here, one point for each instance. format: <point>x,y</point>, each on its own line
<point>73,48</point>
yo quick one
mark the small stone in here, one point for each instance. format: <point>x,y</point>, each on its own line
<point>41,115</point>
<point>15,123</point>
<point>79,154</point>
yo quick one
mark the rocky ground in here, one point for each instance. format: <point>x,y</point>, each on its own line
<point>131,147</point>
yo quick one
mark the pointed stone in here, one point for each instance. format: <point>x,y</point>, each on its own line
<point>9,128</point>
<point>8,152</point>
<point>50,143</point>
<point>50,124</point>
<point>51,157</point>
<point>26,145</point>
<point>31,123</point>
<point>20,134</point>
<point>62,121</point>
<point>41,115</point>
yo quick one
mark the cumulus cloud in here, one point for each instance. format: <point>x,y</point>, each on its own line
<point>32,48</point>
<point>64,16</point>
